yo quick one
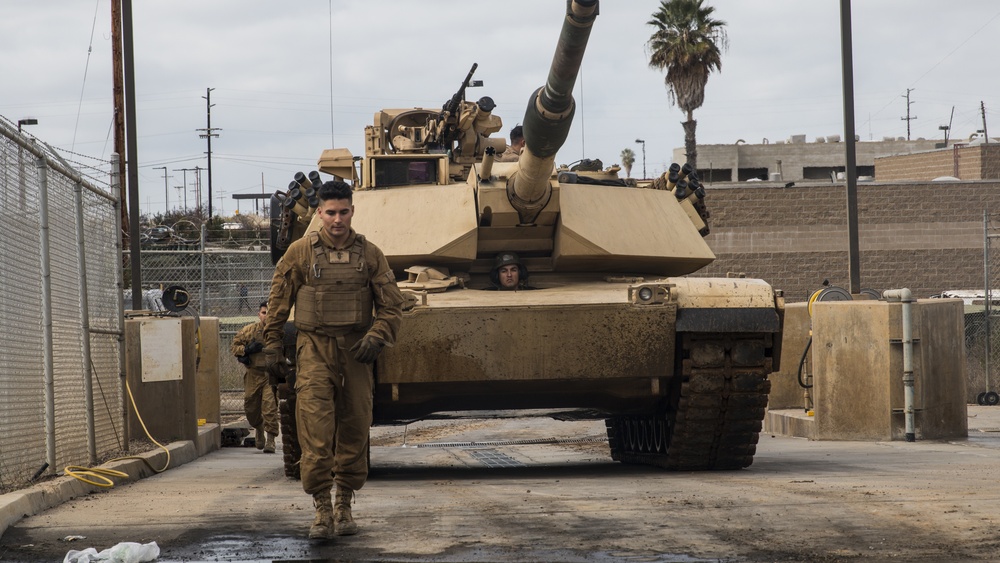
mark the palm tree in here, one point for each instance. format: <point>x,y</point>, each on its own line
<point>688,44</point>
<point>628,159</point>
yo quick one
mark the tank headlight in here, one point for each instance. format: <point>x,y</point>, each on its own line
<point>649,294</point>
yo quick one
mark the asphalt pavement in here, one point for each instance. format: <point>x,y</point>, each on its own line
<point>544,490</point>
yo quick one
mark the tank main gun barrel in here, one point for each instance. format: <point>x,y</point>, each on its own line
<point>549,114</point>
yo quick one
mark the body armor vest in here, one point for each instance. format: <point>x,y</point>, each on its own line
<point>258,360</point>
<point>336,298</point>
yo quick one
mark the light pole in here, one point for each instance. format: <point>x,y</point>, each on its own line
<point>643,143</point>
<point>26,121</point>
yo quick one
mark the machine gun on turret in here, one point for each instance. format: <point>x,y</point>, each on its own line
<point>451,112</point>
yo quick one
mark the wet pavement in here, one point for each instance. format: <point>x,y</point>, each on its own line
<point>542,490</point>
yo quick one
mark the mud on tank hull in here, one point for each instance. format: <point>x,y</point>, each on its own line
<point>681,379</point>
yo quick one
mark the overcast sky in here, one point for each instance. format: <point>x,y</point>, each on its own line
<point>270,66</point>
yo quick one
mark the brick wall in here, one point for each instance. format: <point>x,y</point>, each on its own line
<point>979,162</point>
<point>924,236</point>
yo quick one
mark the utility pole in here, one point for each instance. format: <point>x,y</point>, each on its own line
<point>118,95</point>
<point>908,119</point>
<point>643,143</point>
<point>986,136</point>
<point>850,153</point>
<point>209,132</point>
<point>185,171</point>
<point>166,192</point>
<point>131,155</point>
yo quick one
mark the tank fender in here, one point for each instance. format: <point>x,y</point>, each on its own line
<point>726,305</point>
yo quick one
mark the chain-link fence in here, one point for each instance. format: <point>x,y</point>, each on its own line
<point>60,358</point>
<point>224,283</point>
<point>982,321</point>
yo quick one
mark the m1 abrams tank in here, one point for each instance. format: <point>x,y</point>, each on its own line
<point>677,366</point>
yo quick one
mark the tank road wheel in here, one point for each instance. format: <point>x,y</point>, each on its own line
<point>289,433</point>
<point>712,416</point>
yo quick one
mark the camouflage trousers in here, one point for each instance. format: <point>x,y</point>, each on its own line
<point>333,398</point>
<point>259,402</point>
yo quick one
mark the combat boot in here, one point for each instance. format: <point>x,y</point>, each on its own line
<point>258,438</point>
<point>322,527</point>
<point>269,444</point>
<point>343,522</point>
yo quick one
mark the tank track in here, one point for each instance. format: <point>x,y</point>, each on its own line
<point>289,434</point>
<point>713,412</point>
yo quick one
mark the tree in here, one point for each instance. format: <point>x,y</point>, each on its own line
<point>688,44</point>
<point>628,159</point>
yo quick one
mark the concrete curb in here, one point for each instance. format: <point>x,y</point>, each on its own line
<point>41,497</point>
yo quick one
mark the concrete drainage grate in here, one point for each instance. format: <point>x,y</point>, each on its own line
<point>493,458</point>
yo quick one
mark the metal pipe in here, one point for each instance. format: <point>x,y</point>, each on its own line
<point>48,366</point>
<point>88,375</point>
<point>905,297</point>
<point>987,293</point>
<point>486,168</point>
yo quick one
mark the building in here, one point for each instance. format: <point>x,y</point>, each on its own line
<point>796,159</point>
<point>972,161</point>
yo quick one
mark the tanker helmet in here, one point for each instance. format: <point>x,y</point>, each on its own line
<point>508,259</point>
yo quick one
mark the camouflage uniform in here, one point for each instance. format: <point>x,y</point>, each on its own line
<point>333,390</point>
<point>509,155</point>
<point>259,402</point>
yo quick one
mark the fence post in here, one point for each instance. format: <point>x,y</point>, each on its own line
<point>88,383</point>
<point>47,360</point>
<point>204,295</point>
<point>116,181</point>
<point>987,292</point>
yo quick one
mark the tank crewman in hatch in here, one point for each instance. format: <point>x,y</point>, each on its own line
<point>513,152</point>
<point>259,403</point>
<point>335,279</point>
<point>508,273</point>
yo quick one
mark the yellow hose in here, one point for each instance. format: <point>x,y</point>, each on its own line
<point>812,299</point>
<point>100,477</point>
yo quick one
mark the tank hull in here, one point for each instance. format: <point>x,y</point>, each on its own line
<point>581,345</point>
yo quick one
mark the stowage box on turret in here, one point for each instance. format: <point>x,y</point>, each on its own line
<point>605,327</point>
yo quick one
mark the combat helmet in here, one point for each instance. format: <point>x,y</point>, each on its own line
<point>507,259</point>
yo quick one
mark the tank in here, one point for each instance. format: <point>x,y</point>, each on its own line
<point>611,325</point>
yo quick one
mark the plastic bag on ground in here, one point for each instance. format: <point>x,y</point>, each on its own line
<point>124,552</point>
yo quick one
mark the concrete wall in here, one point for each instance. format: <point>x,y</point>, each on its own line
<point>208,404</point>
<point>167,408</point>
<point>924,236</point>
<point>858,365</point>
<point>786,393</point>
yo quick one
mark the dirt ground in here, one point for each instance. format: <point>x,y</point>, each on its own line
<point>461,491</point>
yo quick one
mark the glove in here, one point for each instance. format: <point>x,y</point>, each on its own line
<point>253,348</point>
<point>244,359</point>
<point>276,364</point>
<point>367,349</point>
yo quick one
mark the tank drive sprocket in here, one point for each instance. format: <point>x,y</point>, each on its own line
<point>712,416</point>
